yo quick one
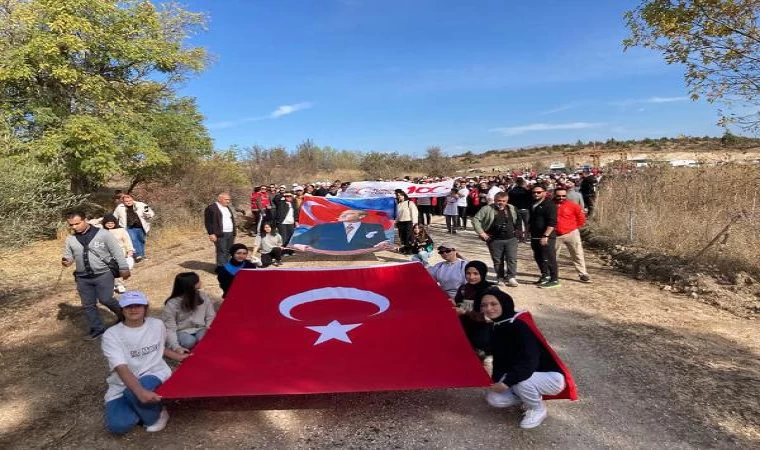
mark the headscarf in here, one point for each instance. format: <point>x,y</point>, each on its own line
<point>506,302</point>
<point>233,266</point>
<point>476,291</point>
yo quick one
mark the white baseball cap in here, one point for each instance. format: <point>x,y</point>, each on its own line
<point>132,298</point>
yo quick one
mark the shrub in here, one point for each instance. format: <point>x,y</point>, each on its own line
<point>34,196</point>
<point>680,210</point>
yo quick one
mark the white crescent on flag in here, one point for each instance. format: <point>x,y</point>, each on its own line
<point>336,293</point>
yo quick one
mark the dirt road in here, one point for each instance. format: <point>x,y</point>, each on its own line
<point>654,370</point>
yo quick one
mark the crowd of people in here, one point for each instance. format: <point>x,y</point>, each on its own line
<point>546,211</point>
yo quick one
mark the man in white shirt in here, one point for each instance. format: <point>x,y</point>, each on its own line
<point>219,220</point>
<point>495,189</point>
<point>463,193</point>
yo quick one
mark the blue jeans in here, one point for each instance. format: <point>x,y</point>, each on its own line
<point>137,235</point>
<point>125,412</point>
<point>422,256</point>
<point>188,340</point>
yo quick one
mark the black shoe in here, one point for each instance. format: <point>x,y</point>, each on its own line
<point>542,280</point>
<point>585,279</point>
<point>93,335</point>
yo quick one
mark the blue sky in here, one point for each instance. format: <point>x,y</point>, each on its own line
<point>389,75</point>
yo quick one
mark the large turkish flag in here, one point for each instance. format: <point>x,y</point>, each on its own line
<point>301,331</point>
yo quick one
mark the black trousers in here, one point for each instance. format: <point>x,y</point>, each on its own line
<point>425,213</point>
<point>404,232</point>
<point>590,201</point>
<point>286,231</point>
<point>268,258</point>
<point>546,257</point>
<point>462,216</point>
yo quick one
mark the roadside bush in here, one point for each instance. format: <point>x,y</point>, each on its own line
<point>181,202</point>
<point>680,210</point>
<point>33,196</point>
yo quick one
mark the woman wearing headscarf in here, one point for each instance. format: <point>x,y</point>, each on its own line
<point>525,367</point>
<point>238,260</point>
<point>467,299</point>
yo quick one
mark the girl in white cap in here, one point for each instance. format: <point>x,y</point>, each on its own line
<point>135,352</point>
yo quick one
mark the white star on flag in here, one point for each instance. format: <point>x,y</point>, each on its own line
<point>333,330</point>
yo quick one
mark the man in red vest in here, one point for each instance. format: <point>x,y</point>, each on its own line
<point>570,218</point>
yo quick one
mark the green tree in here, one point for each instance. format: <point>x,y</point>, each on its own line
<point>717,41</point>
<point>436,164</point>
<point>89,86</point>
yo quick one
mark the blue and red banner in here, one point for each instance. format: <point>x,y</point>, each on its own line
<point>344,226</point>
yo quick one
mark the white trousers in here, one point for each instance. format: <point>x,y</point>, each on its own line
<point>572,241</point>
<point>530,391</point>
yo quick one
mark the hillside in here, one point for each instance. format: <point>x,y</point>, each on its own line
<point>706,149</point>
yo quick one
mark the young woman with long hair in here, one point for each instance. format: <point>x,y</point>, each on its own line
<point>269,243</point>
<point>421,244</point>
<point>406,216</point>
<point>187,313</point>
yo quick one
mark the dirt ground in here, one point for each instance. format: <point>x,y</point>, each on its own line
<point>654,370</point>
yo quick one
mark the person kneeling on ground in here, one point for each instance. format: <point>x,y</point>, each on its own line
<point>187,313</point>
<point>468,300</point>
<point>239,260</point>
<point>525,368</point>
<point>134,350</point>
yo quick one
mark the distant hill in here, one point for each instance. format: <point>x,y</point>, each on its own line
<point>705,149</point>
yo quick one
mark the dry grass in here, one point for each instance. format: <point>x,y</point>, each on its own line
<point>679,211</point>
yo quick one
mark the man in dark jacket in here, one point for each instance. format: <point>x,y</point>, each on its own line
<point>286,216</point>
<point>588,191</point>
<point>520,198</point>
<point>219,220</point>
<point>543,238</point>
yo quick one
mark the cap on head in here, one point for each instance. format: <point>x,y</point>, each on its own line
<point>132,298</point>
<point>445,246</point>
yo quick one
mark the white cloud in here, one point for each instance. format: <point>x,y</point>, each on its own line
<point>534,127</point>
<point>557,109</point>
<point>283,110</point>
<point>666,99</point>
<point>650,100</point>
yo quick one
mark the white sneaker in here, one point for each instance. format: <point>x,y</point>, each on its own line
<point>502,399</point>
<point>160,424</point>
<point>533,418</point>
<point>121,289</point>
<point>512,282</point>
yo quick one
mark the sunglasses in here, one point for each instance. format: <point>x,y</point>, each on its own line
<point>538,192</point>
<point>560,196</point>
<point>441,252</point>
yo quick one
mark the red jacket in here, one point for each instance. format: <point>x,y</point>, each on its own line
<point>570,217</point>
<point>259,198</point>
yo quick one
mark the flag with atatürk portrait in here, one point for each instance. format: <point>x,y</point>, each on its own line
<point>297,331</point>
<point>344,226</point>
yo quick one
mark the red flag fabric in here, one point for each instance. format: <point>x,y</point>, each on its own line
<point>570,392</point>
<point>297,331</point>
